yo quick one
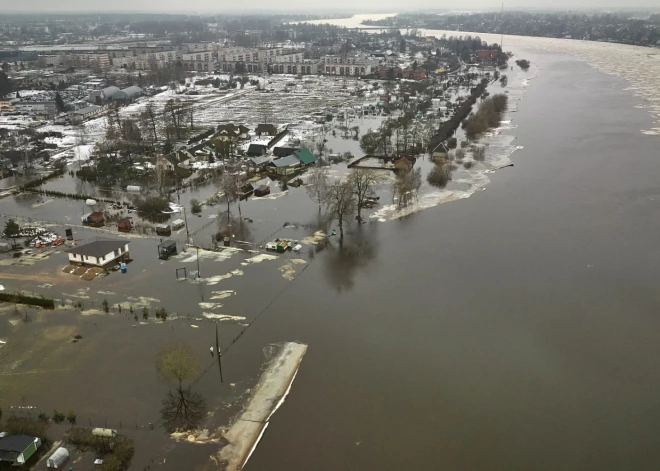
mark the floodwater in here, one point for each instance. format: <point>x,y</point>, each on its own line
<point>511,330</point>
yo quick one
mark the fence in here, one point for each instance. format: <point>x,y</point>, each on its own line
<point>65,225</point>
<point>92,421</point>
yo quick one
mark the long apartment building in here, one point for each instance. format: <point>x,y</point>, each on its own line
<point>355,65</point>
<point>86,60</point>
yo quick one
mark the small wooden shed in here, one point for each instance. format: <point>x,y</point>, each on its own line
<point>125,225</point>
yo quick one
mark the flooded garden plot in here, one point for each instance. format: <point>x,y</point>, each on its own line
<point>60,360</point>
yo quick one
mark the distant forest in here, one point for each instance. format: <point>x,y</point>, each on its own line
<point>611,27</point>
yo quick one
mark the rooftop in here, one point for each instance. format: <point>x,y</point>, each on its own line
<point>13,445</point>
<point>98,248</point>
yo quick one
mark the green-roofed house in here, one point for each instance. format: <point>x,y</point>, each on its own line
<point>305,156</point>
<point>17,449</point>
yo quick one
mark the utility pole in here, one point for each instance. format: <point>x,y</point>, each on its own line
<point>217,349</point>
<point>198,275</point>
<point>185,220</point>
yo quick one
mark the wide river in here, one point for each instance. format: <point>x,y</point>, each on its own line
<point>514,330</point>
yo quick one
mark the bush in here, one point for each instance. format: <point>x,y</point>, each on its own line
<point>440,176</point>
<point>58,417</point>
<point>152,204</point>
<point>25,426</point>
<point>161,314</point>
<point>460,154</point>
<point>479,153</point>
<point>487,116</point>
<point>523,64</point>
<point>468,164</point>
<point>195,206</point>
<point>105,305</point>
<point>452,143</point>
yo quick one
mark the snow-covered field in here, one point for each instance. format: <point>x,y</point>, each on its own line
<point>283,99</point>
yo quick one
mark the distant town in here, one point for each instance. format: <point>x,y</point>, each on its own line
<point>638,28</point>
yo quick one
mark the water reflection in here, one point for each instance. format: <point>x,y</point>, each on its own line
<point>344,261</point>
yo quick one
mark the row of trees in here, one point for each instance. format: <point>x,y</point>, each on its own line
<point>343,199</point>
<point>396,136</point>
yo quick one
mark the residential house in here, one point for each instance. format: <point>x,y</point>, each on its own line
<point>487,55</point>
<point>416,74</point>
<point>166,162</point>
<point>284,151</point>
<point>17,449</point>
<point>258,163</point>
<point>266,130</point>
<point>305,156</point>
<point>257,150</point>
<point>403,165</point>
<point>99,253</point>
<point>230,131</point>
<point>284,166</point>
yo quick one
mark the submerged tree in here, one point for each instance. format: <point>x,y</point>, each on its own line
<point>407,185</point>
<point>182,408</point>
<point>364,183</point>
<point>340,203</point>
<point>317,184</point>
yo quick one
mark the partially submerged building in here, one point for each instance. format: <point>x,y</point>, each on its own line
<point>284,166</point>
<point>99,253</point>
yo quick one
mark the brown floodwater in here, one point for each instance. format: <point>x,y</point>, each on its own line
<point>512,330</point>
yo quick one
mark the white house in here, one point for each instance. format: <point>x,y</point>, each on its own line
<point>99,253</point>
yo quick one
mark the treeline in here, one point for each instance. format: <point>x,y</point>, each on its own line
<point>39,181</point>
<point>448,128</point>
<point>488,116</point>
<point>74,196</point>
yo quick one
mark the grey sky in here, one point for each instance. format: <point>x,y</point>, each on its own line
<point>255,6</point>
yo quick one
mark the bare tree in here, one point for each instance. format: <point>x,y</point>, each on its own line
<point>364,183</point>
<point>317,184</point>
<point>407,185</point>
<point>148,120</point>
<point>230,185</point>
<point>188,113</point>
<point>340,203</point>
<point>173,115</point>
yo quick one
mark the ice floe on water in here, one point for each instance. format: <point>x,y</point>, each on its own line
<point>214,280</point>
<point>259,258</point>
<point>223,294</point>
<point>222,317</point>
